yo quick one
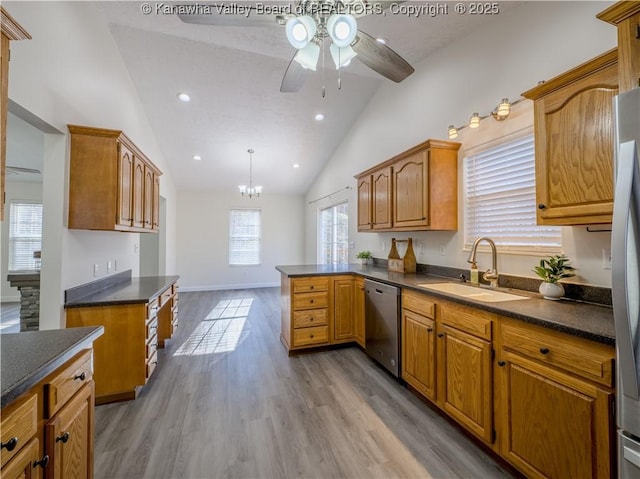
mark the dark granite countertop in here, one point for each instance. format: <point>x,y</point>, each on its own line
<point>27,358</point>
<point>130,291</point>
<point>586,320</point>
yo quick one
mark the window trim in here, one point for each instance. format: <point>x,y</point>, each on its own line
<point>252,265</point>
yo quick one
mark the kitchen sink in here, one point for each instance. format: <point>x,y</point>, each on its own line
<point>472,292</point>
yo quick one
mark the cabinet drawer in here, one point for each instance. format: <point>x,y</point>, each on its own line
<point>152,362</point>
<point>308,336</point>
<point>470,320</point>
<point>174,301</point>
<point>18,425</point>
<point>311,300</point>
<point>584,358</point>
<point>307,285</point>
<point>67,382</point>
<point>151,347</point>
<point>311,317</point>
<point>151,328</point>
<point>152,308</point>
<point>174,288</point>
<point>418,303</point>
<point>165,296</point>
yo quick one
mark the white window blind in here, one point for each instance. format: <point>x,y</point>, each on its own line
<point>501,199</point>
<point>25,235</point>
<point>245,237</point>
<point>334,234</point>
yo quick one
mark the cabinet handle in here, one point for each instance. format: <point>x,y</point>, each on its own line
<point>501,363</point>
<point>542,206</point>
<point>42,462</point>
<point>10,445</point>
<point>311,336</point>
<point>82,376</point>
<point>64,438</point>
<point>310,318</point>
<point>544,350</point>
<point>441,335</point>
<point>311,301</point>
<point>310,287</point>
<point>429,330</point>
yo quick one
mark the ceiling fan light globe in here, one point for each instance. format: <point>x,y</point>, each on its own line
<point>342,56</point>
<point>308,56</point>
<point>300,31</point>
<point>258,190</point>
<point>342,29</point>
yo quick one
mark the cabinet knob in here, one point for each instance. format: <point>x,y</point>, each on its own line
<point>310,287</point>
<point>429,330</point>
<point>310,318</point>
<point>63,438</point>
<point>10,445</point>
<point>441,335</point>
<point>82,376</point>
<point>311,301</point>
<point>542,206</point>
<point>544,350</point>
<point>42,462</point>
<point>311,336</point>
<point>501,363</point>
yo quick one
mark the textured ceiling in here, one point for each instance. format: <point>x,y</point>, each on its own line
<point>233,75</point>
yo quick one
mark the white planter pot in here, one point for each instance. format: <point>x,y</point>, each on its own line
<point>553,291</point>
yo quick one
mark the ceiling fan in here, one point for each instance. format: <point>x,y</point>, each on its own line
<point>16,170</point>
<point>309,25</point>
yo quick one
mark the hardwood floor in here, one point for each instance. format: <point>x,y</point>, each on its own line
<point>227,402</point>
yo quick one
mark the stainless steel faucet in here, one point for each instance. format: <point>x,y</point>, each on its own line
<point>490,275</point>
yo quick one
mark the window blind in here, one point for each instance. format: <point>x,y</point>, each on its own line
<point>245,237</point>
<point>25,235</point>
<point>334,234</point>
<point>500,194</point>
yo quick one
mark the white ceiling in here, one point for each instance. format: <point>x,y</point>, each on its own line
<point>233,75</point>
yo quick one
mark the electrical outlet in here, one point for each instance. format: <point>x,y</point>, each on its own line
<point>443,250</point>
<point>606,258</point>
<point>109,267</point>
<point>96,270</point>
<point>136,248</point>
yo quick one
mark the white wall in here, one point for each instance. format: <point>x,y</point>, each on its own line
<point>501,59</point>
<point>203,240</point>
<point>72,72</point>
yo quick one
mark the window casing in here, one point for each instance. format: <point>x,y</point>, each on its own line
<point>25,235</point>
<point>245,237</point>
<point>500,198</point>
<point>334,234</point>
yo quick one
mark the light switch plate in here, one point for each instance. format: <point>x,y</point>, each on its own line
<point>96,270</point>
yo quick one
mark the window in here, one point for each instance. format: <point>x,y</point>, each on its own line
<point>334,234</point>
<point>501,198</point>
<point>25,235</point>
<point>245,237</point>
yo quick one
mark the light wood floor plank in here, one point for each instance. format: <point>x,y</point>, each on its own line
<point>227,402</point>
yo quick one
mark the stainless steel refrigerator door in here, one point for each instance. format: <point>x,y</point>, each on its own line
<point>625,242</point>
<point>628,457</point>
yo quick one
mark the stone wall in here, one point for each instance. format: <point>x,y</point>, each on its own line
<point>29,308</point>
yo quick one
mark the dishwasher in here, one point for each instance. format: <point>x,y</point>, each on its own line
<point>382,319</point>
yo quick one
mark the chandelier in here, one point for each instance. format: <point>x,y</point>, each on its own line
<point>250,190</point>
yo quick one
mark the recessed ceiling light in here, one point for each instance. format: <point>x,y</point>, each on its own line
<point>382,40</point>
<point>184,97</point>
<point>296,165</point>
<point>319,117</point>
<point>197,157</point>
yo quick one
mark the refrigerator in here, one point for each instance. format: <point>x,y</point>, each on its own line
<point>625,251</point>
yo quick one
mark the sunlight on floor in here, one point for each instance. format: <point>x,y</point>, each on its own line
<point>220,331</point>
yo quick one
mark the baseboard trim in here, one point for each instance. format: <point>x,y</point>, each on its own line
<point>222,287</point>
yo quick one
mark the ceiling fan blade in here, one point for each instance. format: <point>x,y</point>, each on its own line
<point>294,77</point>
<point>381,58</point>
<point>19,169</point>
<point>229,14</point>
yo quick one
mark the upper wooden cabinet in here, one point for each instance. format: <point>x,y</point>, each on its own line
<point>574,135</point>
<point>112,185</point>
<point>415,190</point>
<point>626,17</point>
<point>10,30</point>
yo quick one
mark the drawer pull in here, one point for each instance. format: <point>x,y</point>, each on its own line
<point>544,350</point>
<point>311,287</point>
<point>64,438</point>
<point>10,445</point>
<point>441,335</point>
<point>311,336</point>
<point>82,376</point>
<point>310,318</point>
<point>311,301</point>
<point>42,462</point>
<point>429,330</point>
<point>501,364</point>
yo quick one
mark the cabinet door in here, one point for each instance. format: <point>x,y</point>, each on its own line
<point>24,463</point>
<point>553,425</point>
<point>156,202</point>
<point>419,352</point>
<point>138,192</point>
<point>344,309</point>
<point>69,438</point>
<point>125,186</point>
<point>147,209</point>
<point>574,151</point>
<point>465,381</point>
<point>381,181</point>
<point>360,332</point>
<point>365,203</point>
<point>410,191</point>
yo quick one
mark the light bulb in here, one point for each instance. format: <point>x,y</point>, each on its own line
<point>474,122</point>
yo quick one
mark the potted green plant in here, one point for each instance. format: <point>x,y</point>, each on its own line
<point>365,257</point>
<point>552,269</point>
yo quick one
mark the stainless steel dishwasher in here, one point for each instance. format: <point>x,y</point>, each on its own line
<point>383,324</point>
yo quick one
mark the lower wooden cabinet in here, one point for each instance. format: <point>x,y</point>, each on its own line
<point>22,465</point>
<point>344,309</point>
<point>419,352</point>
